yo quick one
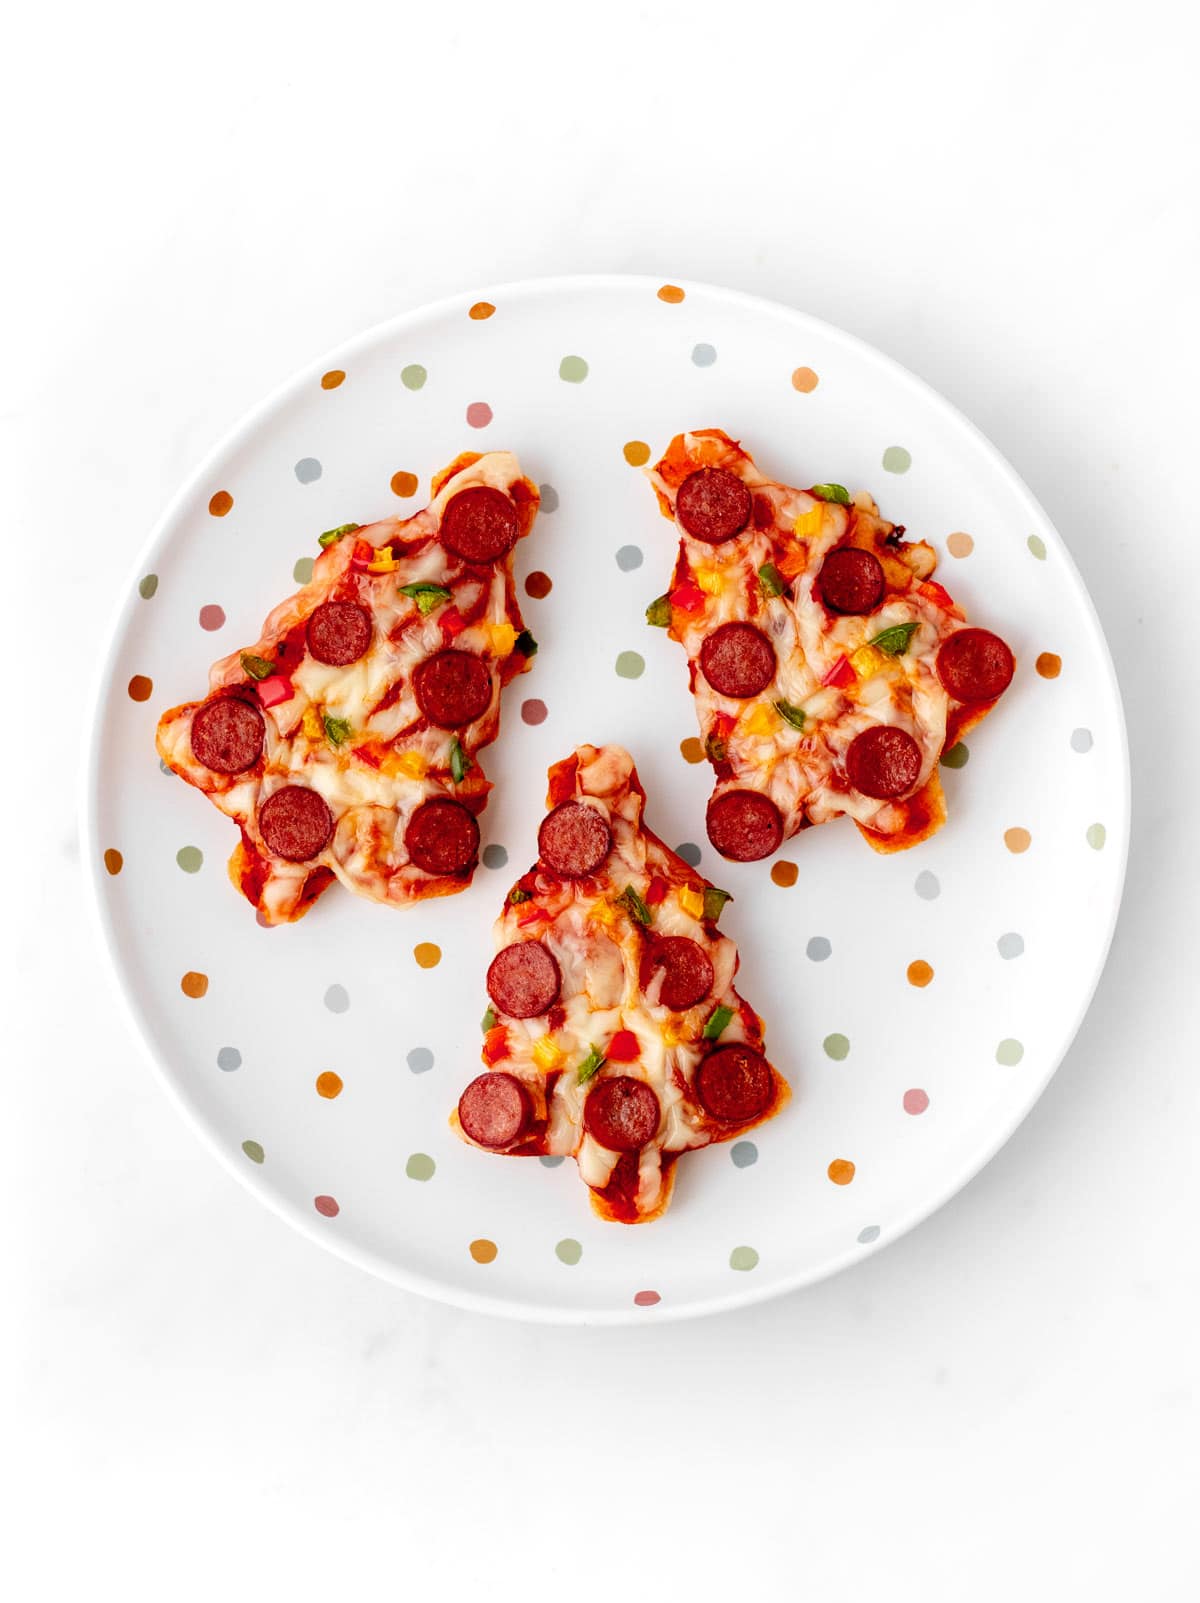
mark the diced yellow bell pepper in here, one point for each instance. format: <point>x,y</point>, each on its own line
<point>760,720</point>
<point>547,1056</point>
<point>709,580</point>
<point>383,560</point>
<point>503,638</point>
<point>311,723</point>
<point>691,899</point>
<point>808,523</point>
<point>409,763</point>
<point>674,1033</point>
<point>867,661</point>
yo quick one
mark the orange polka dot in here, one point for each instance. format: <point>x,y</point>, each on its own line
<point>693,751</point>
<point>113,860</point>
<point>194,985</point>
<point>404,484</point>
<point>785,874</point>
<point>671,293</point>
<point>140,688</point>
<point>538,585</point>
<point>960,544</point>
<point>1049,665</point>
<point>804,380</point>
<point>331,380</point>
<point>329,1084</point>
<point>220,504</point>
<point>841,1171</point>
<point>427,954</point>
<point>480,310</point>
<point>919,973</point>
<point>1017,840</point>
<point>636,453</point>
<point>483,1250</point>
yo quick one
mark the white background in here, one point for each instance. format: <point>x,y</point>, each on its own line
<point>199,1403</point>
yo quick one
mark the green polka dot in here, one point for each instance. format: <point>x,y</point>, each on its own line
<point>568,1251</point>
<point>896,459</point>
<point>190,859</point>
<point>743,1258</point>
<point>630,665</point>
<point>1009,1052</point>
<point>1038,546</point>
<point>253,1151</point>
<point>420,1166</point>
<point>413,376</point>
<point>957,757</point>
<point>573,369</point>
<point>302,572</point>
<point>836,1047</point>
<point>148,586</point>
<point>1096,836</point>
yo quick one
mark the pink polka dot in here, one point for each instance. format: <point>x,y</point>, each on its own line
<point>327,1206</point>
<point>479,414</point>
<point>212,617</point>
<point>646,1299</point>
<point>533,711</point>
<point>915,1101</point>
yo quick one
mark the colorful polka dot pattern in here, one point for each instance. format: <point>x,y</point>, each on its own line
<point>221,504</point>
<point>333,379</point>
<point>1049,665</point>
<point>302,572</point>
<point>784,873</point>
<point>190,859</point>
<point>841,1171</point>
<point>957,757</point>
<point>533,711</point>
<point>572,370</point>
<point>329,1085</point>
<point>636,453</point>
<point>194,985</point>
<point>420,1166</point>
<point>539,585</point>
<point>960,545</point>
<point>404,484</point>
<point>113,861</point>
<point>308,470</point>
<point>483,1250</point>
<point>148,586</point>
<point>630,665</point>
<point>427,955</point>
<point>896,459</point>
<point>804,380</point>
<point>327,1207</point>
<point>671,293</point>
<point>919,973</point>
<point>481,311</point>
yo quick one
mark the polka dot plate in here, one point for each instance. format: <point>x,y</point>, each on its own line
<point>917,1003</point>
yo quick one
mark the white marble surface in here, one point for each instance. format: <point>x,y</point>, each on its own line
<point>199,1403</point>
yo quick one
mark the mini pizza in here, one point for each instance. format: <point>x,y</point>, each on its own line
<point>829,670</point>
<point>615,1035</point>
<point>344,741</point>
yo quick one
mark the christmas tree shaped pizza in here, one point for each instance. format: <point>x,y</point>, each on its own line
<point>343,743</point>
<point>614,1033</point>
<point>829,670</point>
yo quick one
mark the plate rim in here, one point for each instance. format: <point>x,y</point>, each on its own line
<point>238,435</point>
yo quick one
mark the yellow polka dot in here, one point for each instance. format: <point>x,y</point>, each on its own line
<point>481,310</point>
<point>113,860</point>
<point>194,985</point>
<point>140,688</point>
<point>671,293</point>
<point>1049,665</point>
<point>331,380</point>
<point>427,954</point>
<point>220,504</point>
<point>404,484</point>
<point>919,973</point>
<point>329,1084</point>
<point>804,380</point>
<point>483,1250</point>
<point>693,751</point>
<point>785,874</point>
<point>841,1171</point>
<point>636,453</point>
<point>1017,840</point>
<point>960,544</point>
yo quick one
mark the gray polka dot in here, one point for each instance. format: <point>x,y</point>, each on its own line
<point>494,856</point>
<point>868,1233</point>
<point>549,497</point>
<point>1081,740</point>
<point>927,886</point>
<point>704,355</point>
<point>689,851</point>
<point>550,1162</point>
<point>420,1060</point>
<point>170,772</point>
<point>744,1153</point>
<point>337,999</point>
<point>1011,945</point>
<point>819,948</point>
<point>629,557</point>
<point>229,1058</point>
<point>308,470</point>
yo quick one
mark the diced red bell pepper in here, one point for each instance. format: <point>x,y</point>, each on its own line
<point>688,596</point>
<point>274,689</point>
<point>452,622</point>
<point>495,1045</point>
<point>364,554</point>
<point>367,755</point>
<point>562,781</point>
<point>655,891</point>
<point>841,674</point>
<point>932,589</point>
<point>623,1048</point>
<point>530,915</point>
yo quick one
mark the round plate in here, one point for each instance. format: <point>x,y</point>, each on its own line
<point>917,1003</point>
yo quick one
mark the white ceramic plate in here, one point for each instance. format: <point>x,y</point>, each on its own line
<point>914,1086</point>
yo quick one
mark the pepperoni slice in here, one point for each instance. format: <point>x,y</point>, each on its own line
<point>744,825</point>
<point>574,840</point>
<point>852,580</point>
<point>975,665</point>
<point>453,688</point>
<point>621,1113</point>
<point>339,632</point>
<point>713,505</point>
<point>479,525</point>
<point>227,735</point>
<point>524,980</point>
<point>738,660</point>
<point>442,837</point>
<point>734,1084</point>
<point>495,1109</point>
<point>883,762</point>
<point>296,823</point>
<point>687,971</point>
